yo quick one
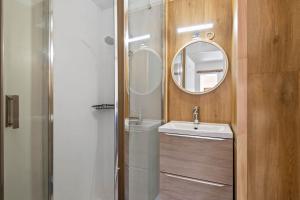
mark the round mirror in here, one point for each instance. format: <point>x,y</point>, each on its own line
<point>145,71</point>
<point>199,67</point>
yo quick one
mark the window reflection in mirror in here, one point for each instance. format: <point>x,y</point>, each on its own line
<point>199,67</point>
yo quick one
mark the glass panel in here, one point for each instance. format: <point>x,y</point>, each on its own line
<point>144,90</point>
<point>25,38</point>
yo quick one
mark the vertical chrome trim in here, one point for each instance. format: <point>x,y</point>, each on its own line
<point>164,79</point>
<point>126,47</point>
<point>116,115</point>
<point>50,99</point>
<point>1,106</point>
<point>125,81</point>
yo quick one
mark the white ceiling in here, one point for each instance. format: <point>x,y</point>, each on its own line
<point>204,53</point>
<point>104,4</point>
<point>133,4</point>
<point>204,56</point>
<point>29,2</point>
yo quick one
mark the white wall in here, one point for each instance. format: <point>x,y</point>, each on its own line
<point>83,76</point>
<point>190,75</point>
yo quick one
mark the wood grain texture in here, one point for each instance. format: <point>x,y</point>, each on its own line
<point>210,160</point>
<point>273,134</point>
<point>215,106</point>
<point>273,42</point>
<point>177,189</point>
<point>239,98</point>
<point>273,99</point>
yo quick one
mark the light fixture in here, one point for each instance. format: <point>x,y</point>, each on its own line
<point>139,38</point>
<point>195,28</point>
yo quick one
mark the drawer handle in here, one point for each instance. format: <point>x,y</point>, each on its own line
<point>192,136</point>
<point>194,180</point>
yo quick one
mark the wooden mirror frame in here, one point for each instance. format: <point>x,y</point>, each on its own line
<point>226,67</point>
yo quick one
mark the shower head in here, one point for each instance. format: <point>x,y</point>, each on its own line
<point>149,6</point>
<point>109,40</point>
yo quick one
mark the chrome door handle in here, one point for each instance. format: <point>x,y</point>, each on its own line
<point>194,180</point>
<point>12,111</point>
<point>194,136</point>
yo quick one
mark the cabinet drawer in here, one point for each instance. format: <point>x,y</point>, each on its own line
<point>201,158</point>
<point>180,188</point>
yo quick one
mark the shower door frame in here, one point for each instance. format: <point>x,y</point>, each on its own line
<point>118,175</point>
<point>1,109</point>
<point>120,20</point>
<point>50,99</point>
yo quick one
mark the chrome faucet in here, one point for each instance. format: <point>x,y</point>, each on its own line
<point>136,119</point>
<point>196,110</point>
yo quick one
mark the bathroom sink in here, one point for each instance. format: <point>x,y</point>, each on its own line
<point>144,125</point>
<point>203,129</point>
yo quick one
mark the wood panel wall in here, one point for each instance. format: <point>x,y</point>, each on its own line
<point>273,100</point>
<point>215,106</point>
<point>239,98</point>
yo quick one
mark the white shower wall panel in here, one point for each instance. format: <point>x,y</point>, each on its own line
<point>83,76</point>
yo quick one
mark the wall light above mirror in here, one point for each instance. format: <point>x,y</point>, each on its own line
<point>199,67</point>
<point>199,27</point>
<point>139,38</point>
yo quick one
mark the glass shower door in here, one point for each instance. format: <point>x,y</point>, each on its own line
<point>25,99</point>
<point>145,94</point>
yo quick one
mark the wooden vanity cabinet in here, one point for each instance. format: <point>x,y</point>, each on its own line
<point>195,168</point>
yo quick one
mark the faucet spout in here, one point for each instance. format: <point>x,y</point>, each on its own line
<point>136,119</point>
<point>196,110</point>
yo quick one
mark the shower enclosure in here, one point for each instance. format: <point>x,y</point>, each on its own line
<point>59,99</point>
<point>58,130</point>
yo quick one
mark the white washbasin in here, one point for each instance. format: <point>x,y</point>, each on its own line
<point>145,125</point>
<point>204,129</point>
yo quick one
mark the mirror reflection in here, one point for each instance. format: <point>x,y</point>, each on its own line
<point>199,67</point>
<point>146,70</point>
